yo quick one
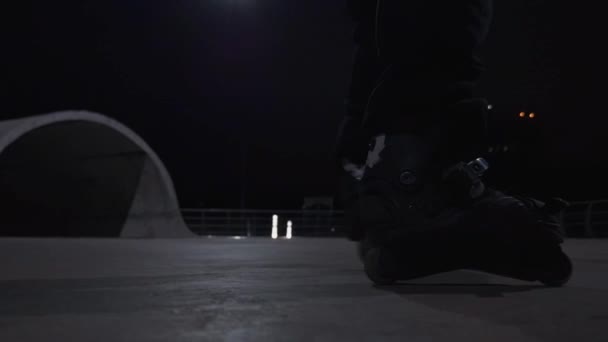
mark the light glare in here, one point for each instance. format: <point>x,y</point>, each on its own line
<point>275,227</point>
<point>289,230</point>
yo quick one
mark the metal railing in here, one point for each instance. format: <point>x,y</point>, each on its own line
<point>247,222</point>
<point>588,219</point>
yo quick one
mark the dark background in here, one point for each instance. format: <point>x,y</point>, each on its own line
<point>244,96</point>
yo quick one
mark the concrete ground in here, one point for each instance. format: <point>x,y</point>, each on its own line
<point>286,290</point>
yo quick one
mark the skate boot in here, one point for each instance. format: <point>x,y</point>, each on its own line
<point>526,240</point>
<point>421,208</point>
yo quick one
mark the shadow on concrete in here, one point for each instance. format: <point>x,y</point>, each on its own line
<point>543,313</point>
<point>480,290</point>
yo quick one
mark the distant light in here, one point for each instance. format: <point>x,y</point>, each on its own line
<point>490,149</point>
<point>240,3</point>
<point>506,148</point>
<point>532,115</point>
<point>289,230</point>
<point>490,107</point>
<point>275,227</point>
<point>522,114</point>
<point>237,237</point>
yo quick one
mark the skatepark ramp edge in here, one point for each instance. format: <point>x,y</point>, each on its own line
<point>82,174</point>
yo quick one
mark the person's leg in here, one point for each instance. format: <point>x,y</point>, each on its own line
<point>351,147</point>
<point>419,109</point>
<point>365,73</point>
<point>403,210</point>
<point>428,49</point>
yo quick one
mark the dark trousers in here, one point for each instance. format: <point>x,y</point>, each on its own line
<point>413,58</point>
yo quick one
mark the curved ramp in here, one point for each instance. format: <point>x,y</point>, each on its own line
<point>82,174</point>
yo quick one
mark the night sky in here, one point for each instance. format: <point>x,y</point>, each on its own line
<point>246,94</point>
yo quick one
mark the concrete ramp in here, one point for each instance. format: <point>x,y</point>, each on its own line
<point>81,174</point>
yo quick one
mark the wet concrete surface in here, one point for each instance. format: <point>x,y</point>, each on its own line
<point>223,289</point>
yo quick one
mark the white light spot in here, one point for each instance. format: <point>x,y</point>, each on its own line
<point>490,107</point>
<point>275,227</point>
<point>289,230</point>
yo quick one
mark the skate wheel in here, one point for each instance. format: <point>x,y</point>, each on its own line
<point>559,272</point>
<point>371,261</point>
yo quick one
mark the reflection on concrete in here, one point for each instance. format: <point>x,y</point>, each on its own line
<point>259,289</point>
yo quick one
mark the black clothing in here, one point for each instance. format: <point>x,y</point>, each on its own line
<point>414,57</point>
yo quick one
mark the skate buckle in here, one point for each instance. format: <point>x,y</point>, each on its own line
<point>478,166</point>
<point>408,178</point>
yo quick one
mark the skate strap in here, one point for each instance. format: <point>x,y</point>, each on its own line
<point>464,180</point>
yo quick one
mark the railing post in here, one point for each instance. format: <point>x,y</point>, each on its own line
<point>303,222</point>
<point>588,223</point>
<point>241,222</point>
<point>203,227</point>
